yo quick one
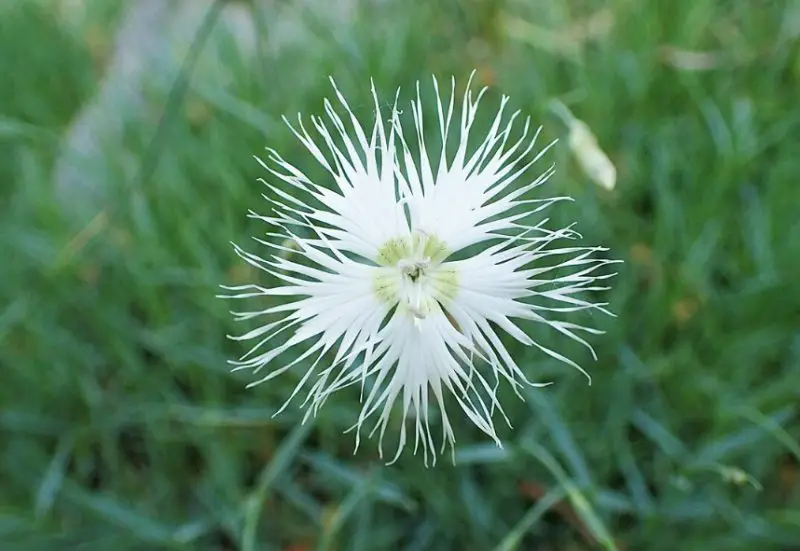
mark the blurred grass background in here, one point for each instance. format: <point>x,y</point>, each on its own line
<point>120,424</point>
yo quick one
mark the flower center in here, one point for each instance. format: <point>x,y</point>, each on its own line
<point>414,291</point>
<point>414,270</point>
<point>412,274</point>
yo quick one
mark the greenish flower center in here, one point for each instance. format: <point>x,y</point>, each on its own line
<point>418,244</point>
<point>413,274</point>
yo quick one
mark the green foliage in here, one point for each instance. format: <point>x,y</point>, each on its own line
<point>122,428</point>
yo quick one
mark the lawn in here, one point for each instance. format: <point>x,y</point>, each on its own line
<point>121,424</point>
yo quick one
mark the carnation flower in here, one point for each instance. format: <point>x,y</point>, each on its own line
<point>400,270</point>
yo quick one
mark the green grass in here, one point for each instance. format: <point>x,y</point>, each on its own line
<point>122,428</point>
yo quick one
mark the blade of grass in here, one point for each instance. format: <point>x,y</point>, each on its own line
<point>514,537</point>
<point>580,504</point>
<point>281,462</point>
<point>344,510</point>
<point>54,477</point>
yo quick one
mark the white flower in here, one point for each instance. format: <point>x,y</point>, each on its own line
<point>398,272</point>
